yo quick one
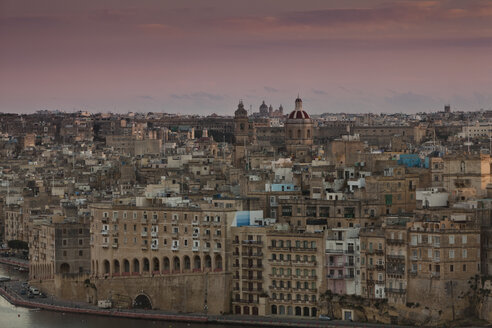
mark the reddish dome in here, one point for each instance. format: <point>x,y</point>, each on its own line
<point>298,114</point>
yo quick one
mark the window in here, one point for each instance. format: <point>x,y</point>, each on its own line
<point>465,254</point>
<point>464,239</point>
<point>464,267</point>
<point>451,268</point>
<point>451,253</point>
<point>451,239</point>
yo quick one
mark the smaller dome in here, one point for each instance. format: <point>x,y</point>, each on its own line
<point>263,105</point>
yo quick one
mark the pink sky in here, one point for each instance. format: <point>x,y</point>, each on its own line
<point>203,56</point>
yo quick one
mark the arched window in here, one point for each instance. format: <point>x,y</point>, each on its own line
<point>146,265</point>
<point>218,262</point>
<point>166,264</point>
<point>155,266</point>
<point>197,263</point>
<point>274,309</point>
<point>176,264</point>
<point>187,263</point>
<point>126,266</point>
<point>116,266</point>
<point>136,266</point>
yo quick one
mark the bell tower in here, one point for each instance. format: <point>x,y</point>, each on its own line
<point>244,135</point>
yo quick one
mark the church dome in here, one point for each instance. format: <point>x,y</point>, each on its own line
<point>298,113</point>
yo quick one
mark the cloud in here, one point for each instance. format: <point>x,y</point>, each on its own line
<point>198,96</point>
<point>319,92</point>
<point>270,89</point>
<point>146,97</point>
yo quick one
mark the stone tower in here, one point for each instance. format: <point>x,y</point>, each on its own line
<point>244,135</point>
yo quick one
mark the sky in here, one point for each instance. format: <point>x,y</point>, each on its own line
<point>202,57</point>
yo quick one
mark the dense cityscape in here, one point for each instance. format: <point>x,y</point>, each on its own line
<point>381,218</point>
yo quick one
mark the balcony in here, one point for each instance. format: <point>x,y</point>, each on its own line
<point>105,245</point>
<point>143,234</point>
<point>195,223</point>
<point>251,242</point>
<point>395,241</point>
<point>153,233</point>
<point>395,291</point>
<point>304,263</point>
<point>195,248</point>
<point>143,221</point>
<point>436,275</point>
<point>336,264</point>
<point>105,232</point>
<point>302,249</point>
<point>253,255</point>
<point>115,245</point>
<point>396,258</point>
<point>195,235</point>
<point>153,220</point>
<point>145,247</point>
<point>115,234</point>
<point>217,250</point>
<point>174,248</point>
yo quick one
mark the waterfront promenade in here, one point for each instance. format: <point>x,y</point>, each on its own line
<point>11,292</point>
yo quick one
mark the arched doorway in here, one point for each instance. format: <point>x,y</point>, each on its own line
<point>64,268</point>
<point>142,302</point>
<point>298,310</point>
<point>237,309</point>
<point>305,311</point>
<point>314,312</point>
<point>274,309</point>
<point>255,310</point>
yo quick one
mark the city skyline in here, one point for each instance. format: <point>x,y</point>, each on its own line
<point>196,58</point>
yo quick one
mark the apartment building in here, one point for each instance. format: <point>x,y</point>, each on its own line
<point>372,263</point>
<point>343,261</point>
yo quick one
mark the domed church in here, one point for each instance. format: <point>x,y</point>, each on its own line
<point>299,132</point>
